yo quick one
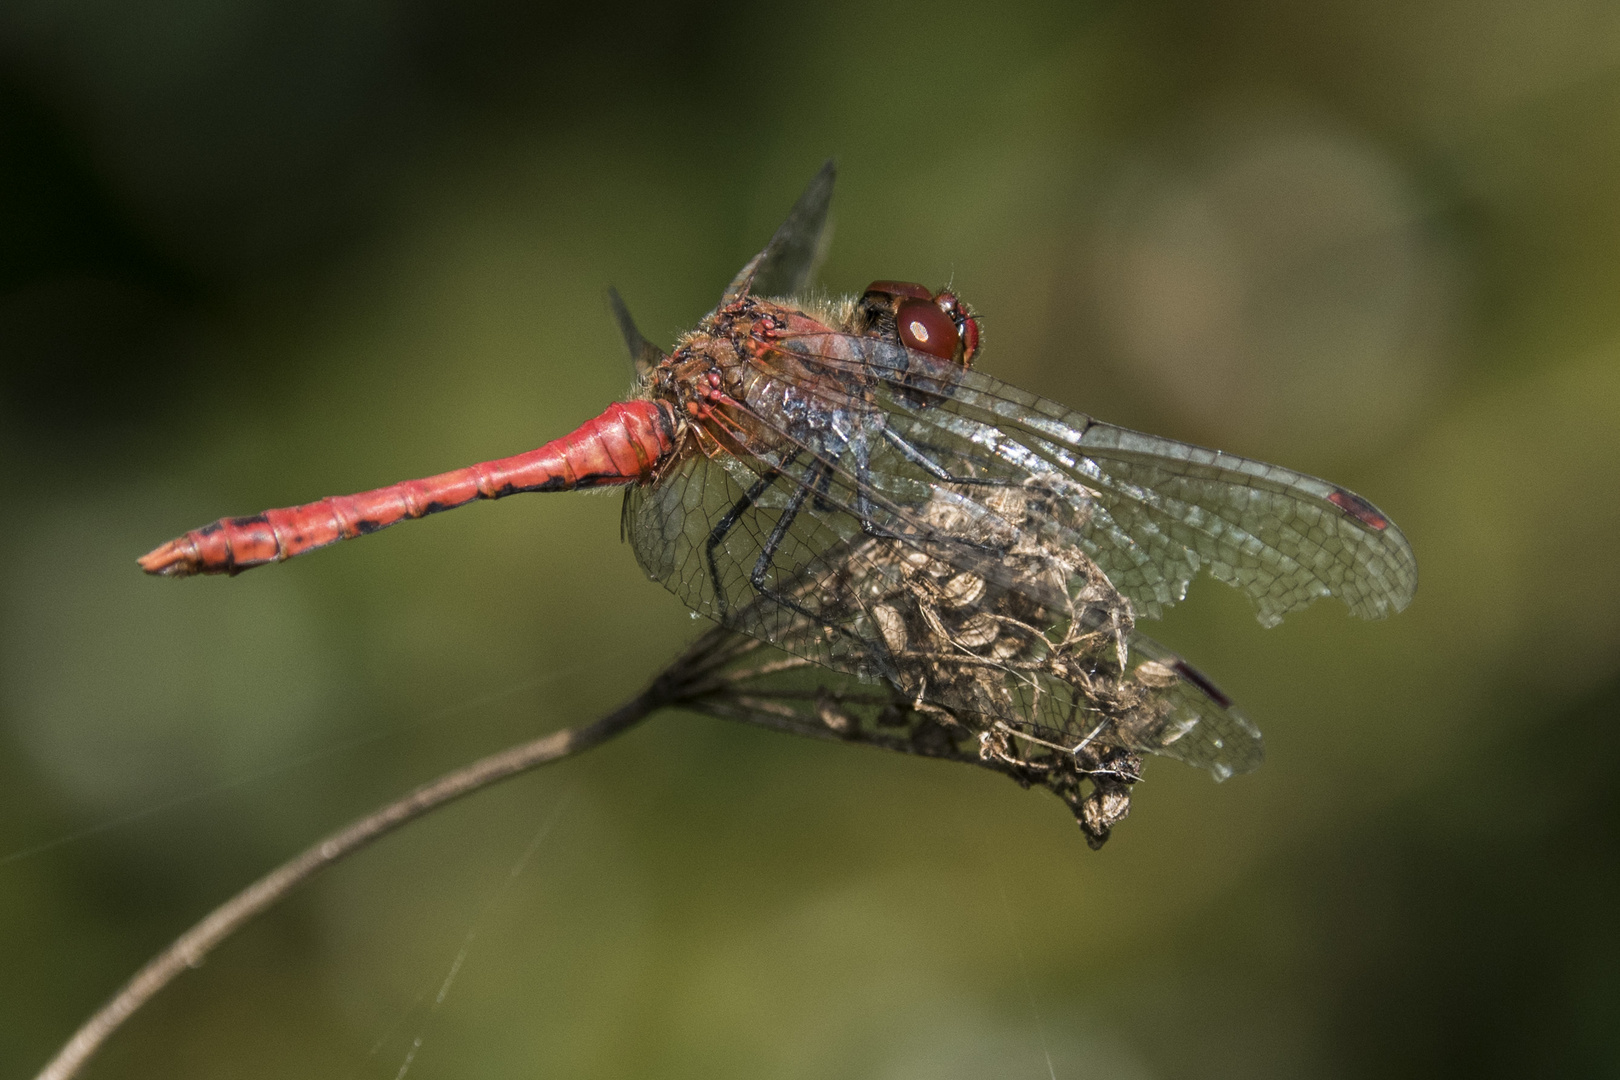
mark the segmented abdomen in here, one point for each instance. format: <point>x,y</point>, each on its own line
<point>623,445</point>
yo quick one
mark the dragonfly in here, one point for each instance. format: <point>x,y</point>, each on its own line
<point>836,478</point>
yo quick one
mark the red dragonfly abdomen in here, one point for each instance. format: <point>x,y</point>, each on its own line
<point>623,445</point>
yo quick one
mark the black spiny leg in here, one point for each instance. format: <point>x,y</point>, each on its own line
<point>813,481</point>
<point>863,501</point>
<point>823,486</point>
<point>729,522</point>
<point>864,505</point>
<point>932,467</point>
<point>778,534</point>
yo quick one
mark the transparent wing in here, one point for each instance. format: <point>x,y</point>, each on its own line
<point>986,552</point>
<point>795,249</point>
<point>972,605</point>
<point>698,533</point>
<point>1165,508</point>
<point>1157,510</point>
<point>644,355</point>
<point>1198,723</point>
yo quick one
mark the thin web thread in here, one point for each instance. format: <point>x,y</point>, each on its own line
<point>1029,987</point>
<point>269,771</point>
<point>466,942</point>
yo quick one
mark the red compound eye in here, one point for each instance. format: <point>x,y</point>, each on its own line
<point>901,288</point>
<point>967,327</point>
<point>925,327</point>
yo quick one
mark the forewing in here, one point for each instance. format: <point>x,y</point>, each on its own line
<point>784,267</point>
<point>1157,510</point>
<point>1166,508</point>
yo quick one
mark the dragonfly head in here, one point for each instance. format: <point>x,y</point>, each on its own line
<point>936,323</point>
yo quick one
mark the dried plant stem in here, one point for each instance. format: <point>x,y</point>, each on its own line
<point>713,676</point>
<point>190,948</point>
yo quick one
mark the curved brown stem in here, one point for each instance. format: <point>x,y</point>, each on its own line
<point>190,948</point>
<point>723,673</point>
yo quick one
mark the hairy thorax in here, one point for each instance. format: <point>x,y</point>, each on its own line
<point>756,374</point>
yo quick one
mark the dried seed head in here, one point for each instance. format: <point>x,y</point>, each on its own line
<point>1153,674</point>
<point>963,590</point>
<point>831,713</point>
<point>891,626</point>
<point>1006,647</point>
<point>1105,807</point>
<point>913,557</point>
<point>978,631</point>
<point>1013,655</point>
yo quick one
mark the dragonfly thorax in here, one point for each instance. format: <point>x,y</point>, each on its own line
<point>756,374</point>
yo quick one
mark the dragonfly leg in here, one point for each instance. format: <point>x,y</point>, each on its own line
<point>818,480</point>
<point>773,543</point>
<point>928,465</point>
<point>724,526</point>
<point>823,487</point>
<point>864,506</point>
<point>813,481</point>
<point>863,501</point>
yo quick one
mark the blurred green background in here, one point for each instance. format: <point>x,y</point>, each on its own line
<point>252,253</point>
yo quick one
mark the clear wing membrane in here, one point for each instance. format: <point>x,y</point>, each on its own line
<point>1010,626</point>
<point>974,598</point>
<point>644,355</point>
<point>796,248</point>
<point>1157,510</point>
<point>1162,509</point>
<point>975,546</point>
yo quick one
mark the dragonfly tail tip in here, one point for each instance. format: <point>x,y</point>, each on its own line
<point>176,558</point>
